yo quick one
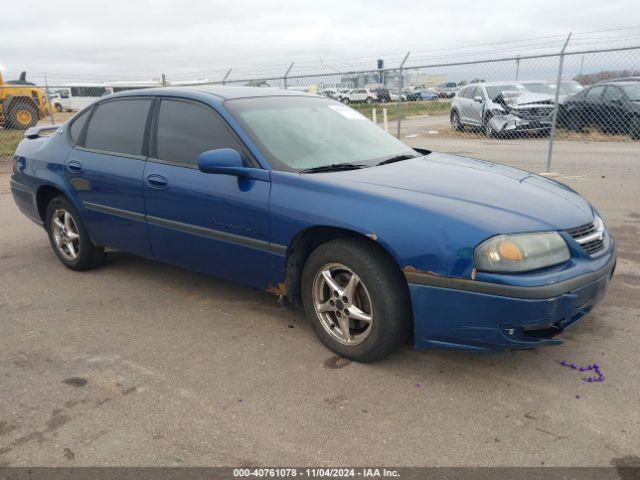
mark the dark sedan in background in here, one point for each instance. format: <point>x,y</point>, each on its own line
<point>613,107</point>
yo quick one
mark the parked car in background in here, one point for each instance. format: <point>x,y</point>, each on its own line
<point>613,107</point>
<point>357,95</point>
<point>382,94</point>
<point>304,197</point>
<point>428,95</point>
<point>501,108</point>
<point>328,92</point>
<point>447,90</point>
<point>407,95</point>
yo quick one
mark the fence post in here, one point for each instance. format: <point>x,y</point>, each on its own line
<point>46,89</point>
<point>554,113</point>
<point>400,86</point>
<point>164,80</point>
<point>226,76</point>
<point>286,74</point>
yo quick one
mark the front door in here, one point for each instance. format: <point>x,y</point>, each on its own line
<point>105,168</point>
<point>213,223</point>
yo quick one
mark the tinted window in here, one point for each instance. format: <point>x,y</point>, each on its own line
<point>76,126</point>
<point>612,93</point>
<point>118,126</point>
<point>186,129</point>
<point>465,92</point>
<point>594,92</point>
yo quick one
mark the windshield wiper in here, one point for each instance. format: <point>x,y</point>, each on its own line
<point>398,158</point>
<point>333,167</point>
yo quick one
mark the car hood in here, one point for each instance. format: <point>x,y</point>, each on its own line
<point>528,99</point>
<point>495,197</point>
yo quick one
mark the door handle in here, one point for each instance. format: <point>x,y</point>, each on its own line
<point>74,166</point>
<point>157,181</point>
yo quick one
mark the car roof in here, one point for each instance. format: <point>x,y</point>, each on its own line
<point>620,83</point>
<point>219,91</point>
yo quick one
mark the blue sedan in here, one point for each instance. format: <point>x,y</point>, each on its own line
<point>304,197</point>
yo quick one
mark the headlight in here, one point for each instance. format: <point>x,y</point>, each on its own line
<point>521,252</point>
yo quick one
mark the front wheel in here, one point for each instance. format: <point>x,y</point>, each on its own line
<point>357,299</point>
<point>456,124</point>
<point>69,239</point>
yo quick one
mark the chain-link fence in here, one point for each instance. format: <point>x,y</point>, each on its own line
<point>534,106</point>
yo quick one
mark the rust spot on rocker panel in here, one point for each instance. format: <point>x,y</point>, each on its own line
<point>412,269</point>
<point>279,290</point>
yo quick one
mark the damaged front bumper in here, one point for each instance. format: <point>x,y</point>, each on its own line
<point>510,122</point>
<point>481,316</point>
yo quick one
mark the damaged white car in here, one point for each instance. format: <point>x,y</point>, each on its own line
<point>501,108</point>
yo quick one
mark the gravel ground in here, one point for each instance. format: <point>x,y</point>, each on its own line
<point>140,363</point>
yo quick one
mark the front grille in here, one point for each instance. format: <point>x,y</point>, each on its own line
<point>534,113</point>
<point>590,237</point>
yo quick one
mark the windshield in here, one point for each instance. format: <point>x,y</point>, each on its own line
<point>541,87</point>
<point>495,90</point>
<point>298,133</point>
<point>632,91</point>
<point>569,88</point>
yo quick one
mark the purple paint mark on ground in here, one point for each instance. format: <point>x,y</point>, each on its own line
<point>598,377</point>
<point>577,397</point>
<point>418,386</point>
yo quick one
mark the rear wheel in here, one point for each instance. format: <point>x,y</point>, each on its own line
<point>357,299</point>
<point>58,107</point>
<point>69,239</point>
<point>345,100</point>
<point>22,115</point>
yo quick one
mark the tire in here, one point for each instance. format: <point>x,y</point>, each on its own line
<point>369,100</point>
<point>58,107</point>
<point>346,100</point>
<point>456,124</point>
<point>380,294</point>
<point>22,115</point>
<point>64,230</point>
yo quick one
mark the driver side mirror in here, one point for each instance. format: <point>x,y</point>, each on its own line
<point>478,99</point>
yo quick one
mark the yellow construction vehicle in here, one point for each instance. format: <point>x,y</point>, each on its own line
<point>21,104</point>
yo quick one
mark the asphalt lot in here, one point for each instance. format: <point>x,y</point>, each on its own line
<point>182,369</point>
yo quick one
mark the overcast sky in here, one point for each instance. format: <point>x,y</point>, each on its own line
<point>140,39</point>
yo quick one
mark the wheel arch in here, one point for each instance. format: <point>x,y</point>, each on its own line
<point>44,195</point>
<point>310,238</point>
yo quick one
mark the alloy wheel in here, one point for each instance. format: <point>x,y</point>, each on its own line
<point>342,304</point>
<point>66,234</point>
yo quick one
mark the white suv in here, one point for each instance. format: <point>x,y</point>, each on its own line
<point>501,108</point>
<point>357,95</point>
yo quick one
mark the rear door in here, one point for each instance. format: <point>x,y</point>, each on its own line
<point>212,223</point>
<point>105,168</point>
